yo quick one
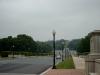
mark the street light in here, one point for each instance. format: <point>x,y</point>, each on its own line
<point>54,67</point>
<point>62,49</point>
<point>13,50</point>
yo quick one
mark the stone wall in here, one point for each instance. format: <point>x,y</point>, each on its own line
<point>97,66</point>
<point>90,63</point>
<point>93,59</point>
<point>95,44</point>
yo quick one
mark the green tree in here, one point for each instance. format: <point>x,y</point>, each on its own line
<point>73,44</point>
<point>25,43</point>
<point>84,45</point>
<point>43,47</point>
<point>6,43</point>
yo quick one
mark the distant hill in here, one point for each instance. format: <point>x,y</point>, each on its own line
<point>58,43</point>
<point>73,44</point>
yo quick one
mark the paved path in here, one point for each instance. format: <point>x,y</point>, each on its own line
<point>65,72</point>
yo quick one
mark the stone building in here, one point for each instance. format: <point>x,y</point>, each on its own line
<point>93,59</point>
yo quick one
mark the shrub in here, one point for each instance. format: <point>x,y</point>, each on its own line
<point>4,54</point>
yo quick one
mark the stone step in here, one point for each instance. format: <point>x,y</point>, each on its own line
<point>94,74</point>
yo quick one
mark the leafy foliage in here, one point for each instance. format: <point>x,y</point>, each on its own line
<point>73,44</point>
<point>84,45</point>
<point>23,42</point>
<point>43,47</point>
<point>58,43</point>
<point>81,45</point>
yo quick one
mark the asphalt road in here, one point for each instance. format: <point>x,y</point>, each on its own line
<point>26,65</point>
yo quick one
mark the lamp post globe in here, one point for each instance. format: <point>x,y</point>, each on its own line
<point>54,32</point>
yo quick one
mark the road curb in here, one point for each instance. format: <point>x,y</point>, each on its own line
<point>46,71</point>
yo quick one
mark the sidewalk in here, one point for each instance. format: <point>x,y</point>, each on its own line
<point>65,72</point>
<point>79,65</point>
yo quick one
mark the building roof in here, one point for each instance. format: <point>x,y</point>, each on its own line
<point>95,32</point>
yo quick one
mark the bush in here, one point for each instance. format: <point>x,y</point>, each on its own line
<point>4,54</point>
<point>28,54</point>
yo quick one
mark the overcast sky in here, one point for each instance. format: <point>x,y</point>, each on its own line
<point>71,19</point>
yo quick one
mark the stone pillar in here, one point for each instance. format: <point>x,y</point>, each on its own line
<point>97,66</point>
<point>95,44</point>
<point>94,52</point>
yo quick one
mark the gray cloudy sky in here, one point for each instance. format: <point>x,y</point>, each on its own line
<point>37,18</point>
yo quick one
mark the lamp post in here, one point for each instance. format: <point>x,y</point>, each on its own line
<point>65,53</point>
<point>54,67</point>
<point>62,50</point>
<point>13,50</point>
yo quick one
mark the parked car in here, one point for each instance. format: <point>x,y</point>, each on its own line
<point>58,57</point>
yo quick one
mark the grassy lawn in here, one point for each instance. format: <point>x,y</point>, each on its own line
<point>66,64</point>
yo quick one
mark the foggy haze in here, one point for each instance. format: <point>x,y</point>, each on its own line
<point>37,18</point>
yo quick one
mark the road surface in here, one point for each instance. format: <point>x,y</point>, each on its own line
<point>26,65</point>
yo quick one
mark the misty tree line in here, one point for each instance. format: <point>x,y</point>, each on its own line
<point>84,45</point>
<point>80,45</point>
<point>23,42</point>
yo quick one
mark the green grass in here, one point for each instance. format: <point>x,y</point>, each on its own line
<point>66,64</point>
